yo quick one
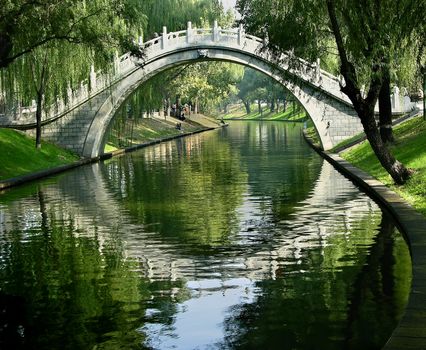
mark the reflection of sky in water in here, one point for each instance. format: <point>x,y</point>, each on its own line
<point>209,304</point>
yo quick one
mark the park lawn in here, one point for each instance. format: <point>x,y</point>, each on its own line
<point>19,156</point>
<point>410,149</point>
<point>110,148</point>
<point>147,129</point>
<point>288,115</point>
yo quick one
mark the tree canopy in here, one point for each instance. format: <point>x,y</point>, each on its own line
<point>367,38</point>
<point>26,25</point>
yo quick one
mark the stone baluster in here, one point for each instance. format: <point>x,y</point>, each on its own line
<point>92,78</point>
<point>395,100</point>
<point>363,92</point>
<point>82,92</point>
<point>240,35</point>
<point>69,95</point>
<point>164,39</point>
<point>215,32</point>
<point>189,33</point>
<point>342,81</point>
<point>116,63</point>
<point>318,70</point>
<point>61,105</point>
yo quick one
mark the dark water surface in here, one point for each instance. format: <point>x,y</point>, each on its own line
<point>242,238</point>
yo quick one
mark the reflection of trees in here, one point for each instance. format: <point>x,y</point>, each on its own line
<point>75,294</point>
<point>349,298</point>
<point>374,291</point>
<point>92,274</point>
<point>285,168</point>
<point>190,192</point>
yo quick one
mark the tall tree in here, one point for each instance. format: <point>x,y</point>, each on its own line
<point>364,34</point>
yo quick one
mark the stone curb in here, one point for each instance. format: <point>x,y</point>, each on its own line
<point>411,330</point>
<point>19,180</point>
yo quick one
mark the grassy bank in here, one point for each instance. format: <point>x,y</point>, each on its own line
<point>19,156</point>
<point>410,149</point>
<point>290,114</point>
<point>143,130</point>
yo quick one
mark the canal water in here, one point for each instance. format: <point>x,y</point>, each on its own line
<point>240,238</point>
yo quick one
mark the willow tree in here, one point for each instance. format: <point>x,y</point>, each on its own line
<point>26,24</point>
<point>364,33</point>
<point>50,45</point>
<point>45,74</point>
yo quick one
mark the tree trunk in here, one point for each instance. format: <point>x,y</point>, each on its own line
<point>247,106</point>
<point>365,106</point>
<point>385,108</point>
<point>6,47</point>
<point>131,132</point>
<point>397,170</point>
<point>38,118</point>
<point>272,108</point>
<point>259,107</point>
<point>423,70</point>
<point>40,88</point>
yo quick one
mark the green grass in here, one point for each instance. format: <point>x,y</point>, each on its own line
<point>410,149</point>
<point>312,134</point>
<point>144,130</point>
<point>19,156</point>
<point>109,148</point>
<point>238,112</point>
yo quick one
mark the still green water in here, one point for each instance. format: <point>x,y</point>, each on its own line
<point>241,238</point>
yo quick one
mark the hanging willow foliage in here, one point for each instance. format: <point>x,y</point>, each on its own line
<point>82,33</point>
<point>176,13</point>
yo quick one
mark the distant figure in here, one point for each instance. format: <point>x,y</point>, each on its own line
<point>222,121</point>
<point>179,126</point>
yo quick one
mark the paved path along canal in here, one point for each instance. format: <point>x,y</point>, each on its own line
<point>237,238</point>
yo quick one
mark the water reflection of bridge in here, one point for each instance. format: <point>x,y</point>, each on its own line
<point>162,259</point>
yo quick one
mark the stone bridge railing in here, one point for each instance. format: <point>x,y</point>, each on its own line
<point>234,39</point>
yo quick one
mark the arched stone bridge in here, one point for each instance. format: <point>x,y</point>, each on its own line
<point>82,126</point>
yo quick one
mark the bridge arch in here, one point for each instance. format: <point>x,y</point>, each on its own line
<point>317,91</point>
